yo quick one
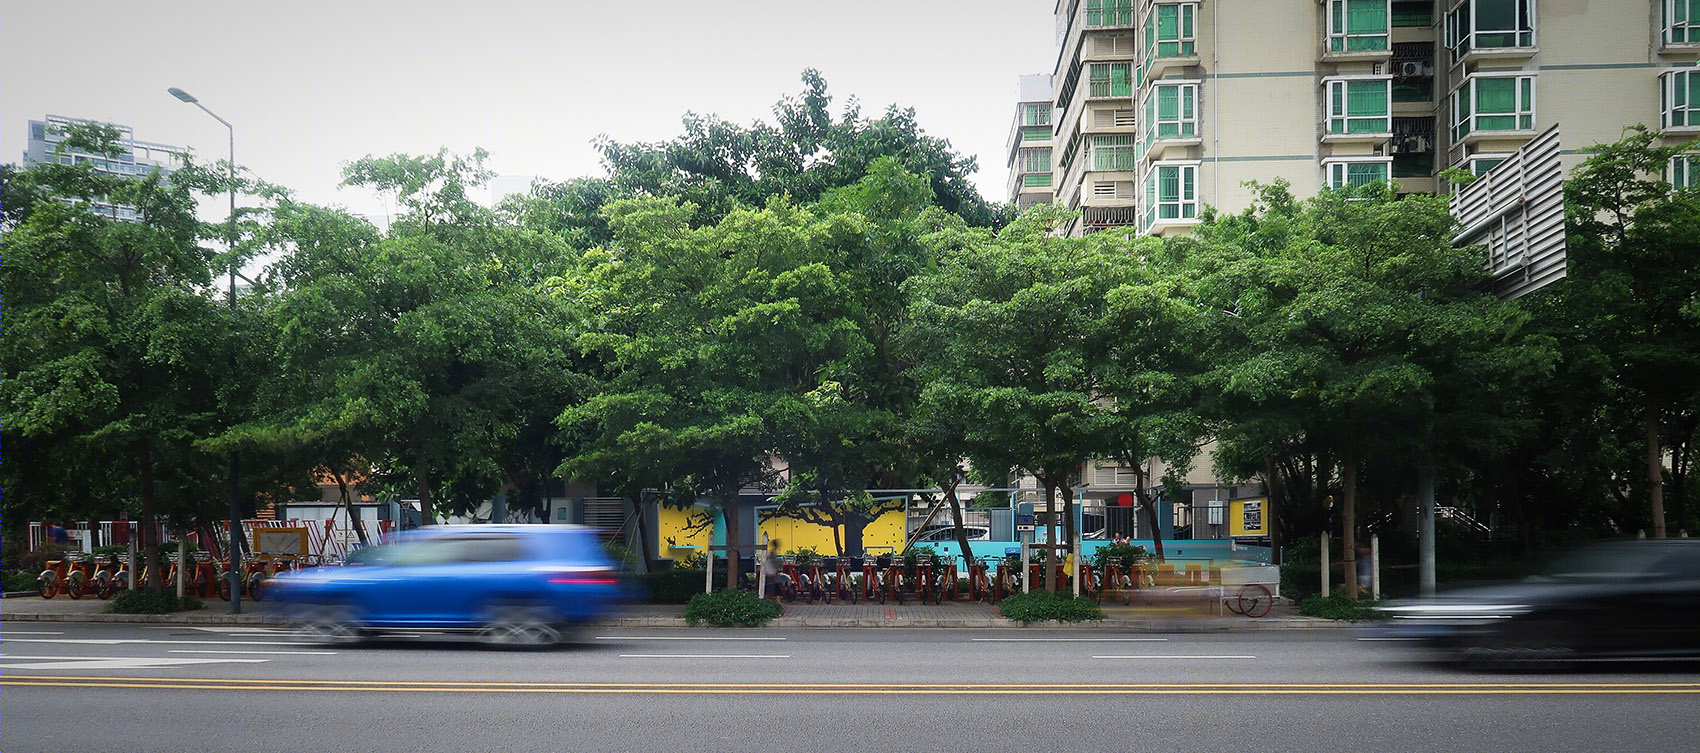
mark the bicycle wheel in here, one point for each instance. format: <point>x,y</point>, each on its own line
<point>1255,600</point>
<point>74,584</point>
<point>47,585</point>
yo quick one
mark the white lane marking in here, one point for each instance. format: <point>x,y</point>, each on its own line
<point>114,662</point>
<point>1179,656</point>
<point>1069,640</point>
<point>705,656</point>
<point>677,638</point>
<point>232,630</point>
<point>1389,639</point>
<point>31,632</point>
<point>125,641</point>
<point>268,653</point>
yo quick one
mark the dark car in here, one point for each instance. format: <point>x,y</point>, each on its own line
<point>1611,600</point>
<point>510,584</point>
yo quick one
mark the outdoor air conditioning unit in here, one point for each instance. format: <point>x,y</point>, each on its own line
<point>1411,68</point>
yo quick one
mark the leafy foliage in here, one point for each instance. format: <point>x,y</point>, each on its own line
<point>730,608</point>
<point>1045,606</point>
<point>150,601</point>
<point>1337,605</point>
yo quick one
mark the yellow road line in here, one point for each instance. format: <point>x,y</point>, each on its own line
<point>376,686</point>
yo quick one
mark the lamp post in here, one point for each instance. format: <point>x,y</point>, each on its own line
<point>234,572</point>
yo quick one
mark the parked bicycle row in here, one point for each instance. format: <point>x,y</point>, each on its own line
<point>884,578</point>
<point>203,577</point>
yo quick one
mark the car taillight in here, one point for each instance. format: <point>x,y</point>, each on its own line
<point>584,578</point>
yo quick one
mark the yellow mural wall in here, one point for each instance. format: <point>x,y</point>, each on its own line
<point>886,530</point>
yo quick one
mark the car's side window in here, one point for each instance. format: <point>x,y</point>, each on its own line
<point>492,548</point>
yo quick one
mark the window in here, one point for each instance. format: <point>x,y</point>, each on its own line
<point>1109,13</point>
<point>1493,104</point>
<point>1357,25</point>
<point>1171,111</point>
<point>1035,160</point>
<point>1682,171</point>
<point>1679,99</point>
<point>1110,80</point>
<point>1036,114</point>
<point>1489,24</point>
<point>1171,193</point>
<point>1409,13</point>
<point>1482,164</point>
<point>1113,152</point>
<point>1169,30</point>
<point>1682,21</point>
<point>1360,106</point>
<point>1355,174</point>
<point>1039,133</point>
<point>1036,180</point>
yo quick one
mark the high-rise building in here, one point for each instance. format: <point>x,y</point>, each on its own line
<point>1030,144</point>
<point>139,157</point>
<point>1163,107</point>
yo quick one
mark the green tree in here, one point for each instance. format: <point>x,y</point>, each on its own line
<point>108,328</point>
<point>1633,257</point>
<point>1347,332</point>
<point>430,353</point>
<point>1009,334</point>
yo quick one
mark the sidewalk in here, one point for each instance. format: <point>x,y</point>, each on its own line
<point>960,614</point>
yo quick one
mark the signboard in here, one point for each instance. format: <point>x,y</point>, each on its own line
<point>286,541</point>
<point>1247,517</point>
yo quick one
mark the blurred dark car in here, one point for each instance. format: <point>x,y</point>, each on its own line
<point>1606,601</point>
<point>510,584</point>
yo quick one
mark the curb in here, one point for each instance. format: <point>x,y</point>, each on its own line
<point>1150,625</point>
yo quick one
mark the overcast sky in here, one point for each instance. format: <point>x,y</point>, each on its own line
<point>312,85</point>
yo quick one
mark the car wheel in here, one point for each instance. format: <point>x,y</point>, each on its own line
<point>1545,644</point>
<point>518,626</point>
<point>329,624</point>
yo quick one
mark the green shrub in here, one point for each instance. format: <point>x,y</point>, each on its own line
<point>1042,606</point>
<point>144,601</point>
<point>730,609</point>
<point>36,561</point>
<point>671,586</point>
<point>1338,606</point>
<point>20,581</point>
<point>1122,554</point>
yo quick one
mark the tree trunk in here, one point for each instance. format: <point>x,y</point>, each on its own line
<point>1348,519</point>
<point>348,505</point>
<point>1655,468</point>
<point>148,535</point>
<point>734,557</point>
<point>956,516</point>
<point>1271,488</point>
<point>642,533</point>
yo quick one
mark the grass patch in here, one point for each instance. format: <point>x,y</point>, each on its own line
<point>144,601</point>
<point>1339,606</point>
<point>1043,606</point>
<point>734,608</point>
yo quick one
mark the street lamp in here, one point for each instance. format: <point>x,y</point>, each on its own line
<point>234,573</point>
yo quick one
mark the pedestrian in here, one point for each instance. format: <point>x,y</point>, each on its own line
<point>777,582</point>
<point>57,534</point>
<point>1119,540</point>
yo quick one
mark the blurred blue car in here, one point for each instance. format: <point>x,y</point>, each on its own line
<point>510,584</point>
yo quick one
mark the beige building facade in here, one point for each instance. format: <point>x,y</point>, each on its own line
<point>1162,108</point>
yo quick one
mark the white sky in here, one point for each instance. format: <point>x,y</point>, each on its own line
<point>311,85</point>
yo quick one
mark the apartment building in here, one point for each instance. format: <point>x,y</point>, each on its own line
<point>1164,107</point>
<point>1030,143</point>
<point>139,157</point>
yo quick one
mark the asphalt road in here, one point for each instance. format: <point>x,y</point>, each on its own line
<point>139,688</point>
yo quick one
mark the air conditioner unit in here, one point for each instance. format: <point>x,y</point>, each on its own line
<point>1411,68</point>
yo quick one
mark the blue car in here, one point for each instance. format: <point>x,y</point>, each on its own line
<point>509,584</point>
